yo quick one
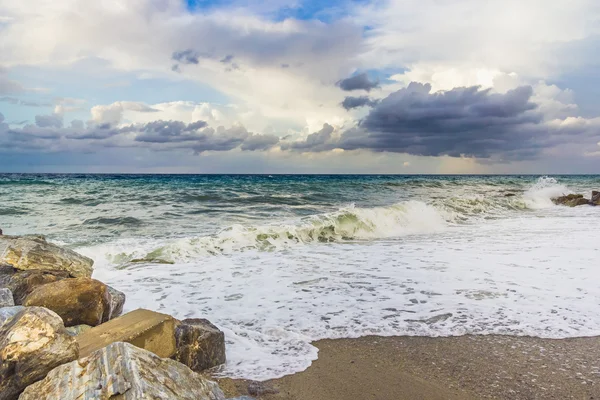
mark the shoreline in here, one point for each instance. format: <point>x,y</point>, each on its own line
<point>461,367</point>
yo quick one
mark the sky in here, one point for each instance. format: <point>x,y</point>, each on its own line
<point>300,86</point>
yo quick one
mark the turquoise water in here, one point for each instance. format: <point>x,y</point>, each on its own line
<point>278,261</point>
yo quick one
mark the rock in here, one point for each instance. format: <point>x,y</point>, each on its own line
<point>22,283</point>
<point>78,329</point>
<point>123,371</point>
<point>595,198</point>
<point>117,300</point>
<point>200,344</point>
<point>7,313</point>
<point>510,195</point>
<point>261,388</point>
<point>571,200</point>
<point>6,298</point>
<point>32,343</point>
<point>146,329</point>
<point>77,300</point>
<point>33,252</point>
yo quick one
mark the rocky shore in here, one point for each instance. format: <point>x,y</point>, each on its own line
<point>62,335</point>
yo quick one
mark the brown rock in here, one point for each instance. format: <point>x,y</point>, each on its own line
<point>22,283</point>
<point>125,372</point>
<point>146,329</point>
<point>595,198</point>
<point>200,344</point>
<point>77,300</point>
<point>571,200</point>
<point>32,343</point>
<point>33,252</point>
<point>77,329</point>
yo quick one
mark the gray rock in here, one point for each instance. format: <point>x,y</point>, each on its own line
<point>261,388</point>
<point>117,300</point>
<point>33,252</point>
<point>125,372</point>
<point>32,343</point>
<point>78,329</point>
<point>7,313</point>
<point>6,298</point>
<point>200,344</point>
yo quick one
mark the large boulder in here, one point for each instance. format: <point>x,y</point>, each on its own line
<point>571,200</point>
<point>145,329</point>
<point>6,298</point>
<point>33,252</point>
<point>77,300</point>
<point>200,344</point>
<point>32,343</point>
<point>595,198</point>
<point>22,283</point>
<point>123,371</point>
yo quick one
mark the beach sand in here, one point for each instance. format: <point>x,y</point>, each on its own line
<point>466,367</point>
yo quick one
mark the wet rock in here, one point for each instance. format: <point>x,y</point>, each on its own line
<point>145,329</point>
<point>261,388</point>
<point>7,313</point>
<point>22,283</point>
<point>33,252</point>
<point>595,198</point>
<point>6,298</point>
<point>117,300</point>
<point>123,371</point>
<point>78,300</point>
<point>78,329</point>
<point>200,344</point>
<point>571,200</point>
<point>32,343</point>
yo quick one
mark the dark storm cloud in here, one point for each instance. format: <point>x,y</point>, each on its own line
<point>357,82</point>
<point>188,56</point>
<point>49,121</point>
<point>460,122</point>
<point>351,102</point>
<point>169,131</point>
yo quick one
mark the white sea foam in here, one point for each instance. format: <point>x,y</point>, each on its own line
<point>408,269</point>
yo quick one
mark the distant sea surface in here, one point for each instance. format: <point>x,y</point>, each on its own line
<point>279,261</point>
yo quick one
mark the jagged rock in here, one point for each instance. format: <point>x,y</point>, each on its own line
<point>6,298</point>
<point>77,300</point>
<point>7,313</point>
<point>123,371</point>
<point>117,300</point>
<point>33,252</point>
<point>571,200</point>
<point>32,343</point>
<point>146,329</point>
<point>200,344</point>
<point>78,329</point>
<point>22,283</point>
<point>595,198</point>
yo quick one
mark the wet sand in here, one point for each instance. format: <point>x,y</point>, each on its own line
<point>414,368</point>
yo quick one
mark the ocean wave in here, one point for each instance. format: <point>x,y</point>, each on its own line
<point>347,224</point>
<point>105,221</point>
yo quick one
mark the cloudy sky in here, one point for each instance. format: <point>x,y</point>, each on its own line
<point>300,86</point>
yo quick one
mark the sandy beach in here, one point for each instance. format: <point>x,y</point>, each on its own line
<point>465,367</point>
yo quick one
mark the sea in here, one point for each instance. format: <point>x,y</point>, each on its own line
<point>279,261</point>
